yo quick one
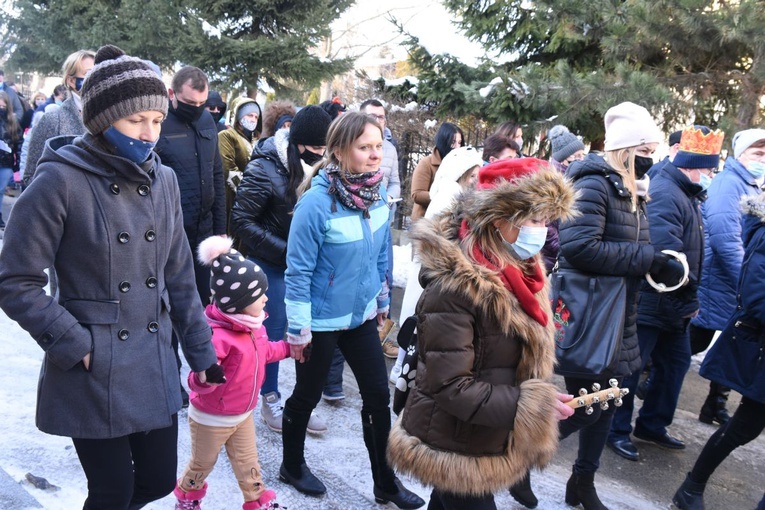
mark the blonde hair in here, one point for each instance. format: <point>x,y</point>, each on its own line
<point>73,62</point>
<point>616,159</point>
<point>343,131</point>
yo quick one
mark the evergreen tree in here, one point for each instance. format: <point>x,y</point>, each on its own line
<point>699,60</point>
<point>237,43</point>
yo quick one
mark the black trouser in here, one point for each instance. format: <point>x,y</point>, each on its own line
<point>363,352</point>
<point>700,338</point>
<point>128,472</point>
<point>444,501</point>
<point>593,429</point>
<point>746,424</point>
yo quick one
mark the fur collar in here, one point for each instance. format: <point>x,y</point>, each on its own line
<point>281,141</point>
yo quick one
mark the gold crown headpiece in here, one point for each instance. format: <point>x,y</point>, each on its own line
<point>695,141</point>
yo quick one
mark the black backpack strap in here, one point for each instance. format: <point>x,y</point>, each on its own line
<point>406,332</point>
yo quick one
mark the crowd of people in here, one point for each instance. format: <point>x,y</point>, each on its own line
<point>244,235</point>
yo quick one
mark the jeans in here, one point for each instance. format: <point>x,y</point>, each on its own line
<point>670,353</point>
<point>6,174</point>
<point>128,472</point>
<point>361,348</point>
<point>276,323</point>
<point>746,424</point>
<point>593,428</point>
<point>444,501</point>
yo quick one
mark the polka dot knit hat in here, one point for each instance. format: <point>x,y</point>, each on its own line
<point>235,281</point>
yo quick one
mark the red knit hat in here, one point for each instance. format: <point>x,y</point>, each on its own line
<point>508,170</point>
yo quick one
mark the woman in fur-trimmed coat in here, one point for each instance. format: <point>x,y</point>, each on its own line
<point>483,412</point>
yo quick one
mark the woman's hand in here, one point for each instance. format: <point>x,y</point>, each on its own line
<point>213,375</point>
<point>562,411</point>
<point>86,361</point>
<point>300,353</point>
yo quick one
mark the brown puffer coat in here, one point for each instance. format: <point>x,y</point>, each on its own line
<point>483,410</point>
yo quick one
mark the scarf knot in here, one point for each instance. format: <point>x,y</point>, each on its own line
<point>354,191</point>
<point>522,285</point>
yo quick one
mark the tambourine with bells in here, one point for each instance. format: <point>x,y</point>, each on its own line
<point>587,400</point>
<point>662,287</point>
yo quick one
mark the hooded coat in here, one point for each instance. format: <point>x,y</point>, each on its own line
<point>609,238</point>
<point>737,358</point>
<point>114,233</point>
<point>482,411</point>
<point>235,150</point>
<point>724,245</point>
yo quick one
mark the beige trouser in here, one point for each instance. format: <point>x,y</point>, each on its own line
<point>242,451</point>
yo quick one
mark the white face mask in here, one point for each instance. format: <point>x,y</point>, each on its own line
<point>519,141</point>
<point>248,124</point>
<point>530,241</point>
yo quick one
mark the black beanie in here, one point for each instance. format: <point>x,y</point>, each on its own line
<point>235,281</point>
<point>119,86</point>
<point>310,126</point>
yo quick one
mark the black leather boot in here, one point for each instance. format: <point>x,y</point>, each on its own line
<point>714,409</point>
<point>581,489</point>
<point>294,470</point>
<point>690,495</point>
<point>522,492</point>
<point>387,487</point>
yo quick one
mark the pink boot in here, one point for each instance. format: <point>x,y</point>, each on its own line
<point>267,501</point>
<point>191,500</point>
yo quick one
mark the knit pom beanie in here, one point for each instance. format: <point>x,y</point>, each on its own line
<point>564,143</point>
<point>235,281</point>
<point>119,86</point>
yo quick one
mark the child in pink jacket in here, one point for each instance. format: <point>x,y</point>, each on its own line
<point>222,414</point>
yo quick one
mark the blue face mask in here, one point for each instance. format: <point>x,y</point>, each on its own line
<point>530,241</point>
<point>704,181</point>
<point>133,149</point>
<point>757,169</point>
<point>78,83</point>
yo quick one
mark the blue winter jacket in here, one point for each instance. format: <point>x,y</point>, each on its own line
<point>736,360</point>
<point>674,221</point>
<point>724,247</point>
<point>336,262</point>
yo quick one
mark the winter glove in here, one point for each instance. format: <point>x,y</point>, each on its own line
<point>666,270</point>
<point>215,374</point>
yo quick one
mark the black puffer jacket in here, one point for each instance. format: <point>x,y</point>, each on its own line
<point>191,150</point>
<point>608,238</point>
<point>262,212</point>
<point>675,220</point>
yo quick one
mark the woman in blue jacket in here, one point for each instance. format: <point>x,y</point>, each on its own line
<point>336,294</point>
<point>737,361</point>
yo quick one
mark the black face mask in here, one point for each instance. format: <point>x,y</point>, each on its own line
<point>3,114</point>
<point>311,158</point>
<point>187,112</point>
<point>642,164</point>
<point>216,116</point>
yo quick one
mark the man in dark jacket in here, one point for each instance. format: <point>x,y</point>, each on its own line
<point>675,223</point>
<point>189,145</point>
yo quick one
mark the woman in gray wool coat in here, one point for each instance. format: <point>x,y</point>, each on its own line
<point>112,228</point>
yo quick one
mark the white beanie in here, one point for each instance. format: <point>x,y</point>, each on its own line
<point>630,125</point>
<point>744,139</point>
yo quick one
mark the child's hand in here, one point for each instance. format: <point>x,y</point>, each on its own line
<point>213,375</point>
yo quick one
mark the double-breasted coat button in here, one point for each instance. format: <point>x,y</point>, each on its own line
<point>123,237</point>
<point>143,190</point>
<point>46,338</point>
<point>123,334</point>
<point>114,188</point>
<point>150,235</point>
<point>153,327</point>
<point>124,286</point>
<point>151,282</point>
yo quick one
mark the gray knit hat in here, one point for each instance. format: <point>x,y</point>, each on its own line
<point>119,86</point>
<point>564,143</point>
<point>235,281</point>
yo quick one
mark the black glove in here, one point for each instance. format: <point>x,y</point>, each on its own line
<point>215,374</point>
<point>666,270</point>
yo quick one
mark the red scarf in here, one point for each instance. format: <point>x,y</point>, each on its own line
<point>523,286</point>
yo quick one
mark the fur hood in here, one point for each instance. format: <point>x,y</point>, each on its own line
<point>533,437</point>
<point>754,205</point>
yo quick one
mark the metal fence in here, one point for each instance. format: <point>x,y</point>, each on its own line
<point>412,147</point>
